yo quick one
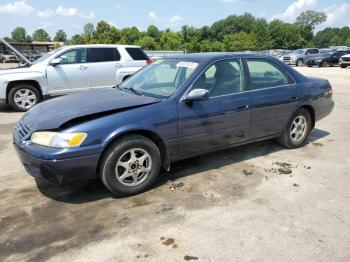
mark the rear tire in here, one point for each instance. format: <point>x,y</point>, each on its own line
<point>130,166</point>
<point>297,130</point>
<point>23,97</point>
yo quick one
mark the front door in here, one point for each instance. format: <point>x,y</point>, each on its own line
<point>274,97</point>
<point>73,74</point>
<point>221,120</point>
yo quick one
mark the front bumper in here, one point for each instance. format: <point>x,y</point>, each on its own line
<point>60,171</point>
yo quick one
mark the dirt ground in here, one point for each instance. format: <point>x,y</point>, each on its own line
<point>231,205</point>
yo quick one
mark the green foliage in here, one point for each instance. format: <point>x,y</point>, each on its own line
<point>18,34</point>
<point>234,33</point>
<point>310,19</point>
<point>89,30</point>
<point>240,41</point>
<point>61,36</point>
<point>170,41</point>
<point>106,34</point>
<point>147,43</point>
<point>41,35</point>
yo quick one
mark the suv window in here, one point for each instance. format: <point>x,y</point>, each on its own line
<point>263,74</point>
<point>136,53</point>
<point>102,54</point>
<point>222,78</point>
<point>75,56</point>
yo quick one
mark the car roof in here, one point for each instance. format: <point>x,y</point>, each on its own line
<point>99,45</point>
<point>200,57</point>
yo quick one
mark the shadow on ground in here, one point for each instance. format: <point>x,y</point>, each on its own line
<point>89,191</point>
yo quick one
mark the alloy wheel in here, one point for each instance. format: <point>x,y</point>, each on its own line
<point>25,98</point>
<point>298,129</point>
<point>133,167</point>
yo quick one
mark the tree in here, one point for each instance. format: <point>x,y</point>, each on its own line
<point>18,34</point>
<point>89,30</point>
<point>148,43</point>
<point>130,35</point>
<point>154,32</point>
<point>61,36</point>
<point>77,40</point>
<point>240,41</point>
<point>106,34</point>
<point>310,19</point>
<point>170,41</point>
<point>41,35</point>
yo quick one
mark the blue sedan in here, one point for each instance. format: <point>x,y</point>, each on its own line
<point>175,108</point>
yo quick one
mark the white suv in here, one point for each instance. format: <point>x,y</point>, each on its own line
<point>69,69</point>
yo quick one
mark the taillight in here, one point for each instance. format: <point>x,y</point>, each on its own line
<point>149,61</point>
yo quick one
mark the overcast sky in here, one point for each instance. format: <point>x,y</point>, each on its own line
<point>72,15</point>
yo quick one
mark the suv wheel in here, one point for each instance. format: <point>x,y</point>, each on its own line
<point>130,166</point>
<point>300,62</point>
<point>324,64</point>
<point>343,66</point>
<point>23,97</point>
<point>297,130</point>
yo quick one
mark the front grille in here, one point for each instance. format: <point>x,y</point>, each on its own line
<point>22,130</point>
<point>347,59</point>
<point>286,58</point>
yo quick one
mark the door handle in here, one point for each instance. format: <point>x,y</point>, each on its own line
<point>241,108</point>
<point>82,67</point>
<point>294,98</point>
<point>117,66</point>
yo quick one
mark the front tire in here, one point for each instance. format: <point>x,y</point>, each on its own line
<point>130,166</point>
<point>23,97</point>
<point>297,130</point>
<point>300,62</point>
<point>343,66</point>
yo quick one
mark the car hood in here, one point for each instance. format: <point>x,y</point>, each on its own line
<point>348,55</point>
<point>54,113</point>
<point>21,70</point>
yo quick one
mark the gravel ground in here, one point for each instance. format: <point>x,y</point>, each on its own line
<point>241,204</point>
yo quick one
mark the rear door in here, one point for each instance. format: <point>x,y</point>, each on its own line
<point>274,97</point>
<point>103,62</point>
<point>138,57</point>
<point>73,74</point>
<point>221,120</point>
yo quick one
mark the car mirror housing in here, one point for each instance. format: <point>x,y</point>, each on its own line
<point>197,94</point>
<point>55,61</point>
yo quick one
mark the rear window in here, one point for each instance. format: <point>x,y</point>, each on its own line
<point>102,55</point>
<point>136,53</point>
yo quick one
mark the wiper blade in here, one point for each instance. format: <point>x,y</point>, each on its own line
<point>135,91</point>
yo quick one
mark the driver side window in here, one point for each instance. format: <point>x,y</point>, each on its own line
<point>76,56</point>
<point>222,78</point>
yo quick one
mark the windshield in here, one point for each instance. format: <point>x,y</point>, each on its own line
<point>160,79</point>
<point>47,55</point>
<point>299,52</point>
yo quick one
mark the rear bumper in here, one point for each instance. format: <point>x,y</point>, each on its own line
<point>60,171</point>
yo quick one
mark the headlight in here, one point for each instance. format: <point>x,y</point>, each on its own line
<point>57,139</point>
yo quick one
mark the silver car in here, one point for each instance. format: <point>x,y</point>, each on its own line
<point>69,69</point>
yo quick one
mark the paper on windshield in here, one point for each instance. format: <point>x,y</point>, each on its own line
<point>191,65</point>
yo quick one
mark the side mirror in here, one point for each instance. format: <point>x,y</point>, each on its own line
<point>55,61</point>
<point>197,95</point>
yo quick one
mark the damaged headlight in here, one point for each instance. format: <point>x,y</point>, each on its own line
<point>58,139</point>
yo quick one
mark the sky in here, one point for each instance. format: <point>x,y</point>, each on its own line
<point>72,15</point>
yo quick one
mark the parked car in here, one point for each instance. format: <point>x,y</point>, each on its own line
<point>326,59</point>
<point>8,57</point>
<point>298,57</point>
<point>69,69</point>
<point>32,55</point>
<point>176,108</point>
<point>344,61</point>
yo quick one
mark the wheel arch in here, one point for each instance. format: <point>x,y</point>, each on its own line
<point>154,137</point>
<point>311,111</point>
<point>12,84</point>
